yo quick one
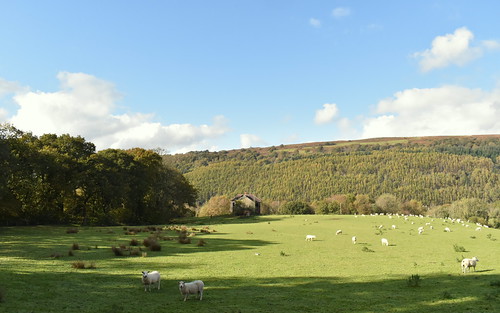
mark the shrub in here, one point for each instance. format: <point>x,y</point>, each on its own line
<point>155,246</point>
<point>147,242</point>
<point>201,243</point>
<point>459,248</point>
<point>218,205</point>
<point>183,238</point>
<point>414,281</point>
<point>117,251</point>
<point>70,253</point>
<point>75,246</point>
<point>296,207</point>
<point>134,242</point>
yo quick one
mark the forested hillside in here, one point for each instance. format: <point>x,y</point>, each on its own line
<point>431,170</point>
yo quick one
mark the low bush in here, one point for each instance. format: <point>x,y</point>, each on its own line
<point>75,246</point>
<point>201,243</point>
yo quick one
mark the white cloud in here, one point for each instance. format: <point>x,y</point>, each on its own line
<point>327,114</point>
<point>3,115</point>
<point>315,22</point>
<point>448,110</point>
<point>249,140</point>
<point>453,49</point>
<point>341,12</point>
<point>8,87</point>
<point>85,106</point>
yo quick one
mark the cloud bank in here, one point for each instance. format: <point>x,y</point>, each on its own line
<point>85,106</point>
<point>447,110</point>
<point>453,49</point>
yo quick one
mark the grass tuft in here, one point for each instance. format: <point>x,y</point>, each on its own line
<point>83,265</point>
<point>414,281</point>
<point>446,295</point>
<point>458,248</point>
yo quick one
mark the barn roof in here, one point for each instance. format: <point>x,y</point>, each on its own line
<point>248,195</point>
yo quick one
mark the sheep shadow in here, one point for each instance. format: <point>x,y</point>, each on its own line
<point>484,271</point>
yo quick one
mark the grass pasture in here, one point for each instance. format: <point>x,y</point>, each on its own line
<point>258,264</point>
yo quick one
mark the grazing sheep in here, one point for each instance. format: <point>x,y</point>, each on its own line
<point>385,242</point>
<point>149,278</point>
<point>310,237</point>
<point>467,263</point>
<point>478,228</point>
<point>420,231</point>
<point>354,239</point>
<point>447,229</point>
<point>194,287</point>
<point>339,232</point>
<point>393,226</point>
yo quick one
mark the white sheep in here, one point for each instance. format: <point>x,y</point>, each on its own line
<point>393,226</point>
<point>385,242</point>
<point>310,237</point>
<point>194,287</point>
<point>150,278</point>
<point>354,239</point>
<point>447,229</point>
<point>339,232</point>
<point>467,263</point>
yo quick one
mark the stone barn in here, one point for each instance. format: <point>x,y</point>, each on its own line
<point>245,205</point>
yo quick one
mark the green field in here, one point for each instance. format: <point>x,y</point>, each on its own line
<point>260,264</point>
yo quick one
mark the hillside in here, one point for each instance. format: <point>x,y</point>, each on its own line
<point>432,170</point>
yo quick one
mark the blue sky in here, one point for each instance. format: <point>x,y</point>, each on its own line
<point>219,75</point>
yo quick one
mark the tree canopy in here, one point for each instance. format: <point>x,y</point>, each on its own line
<point>62,179</point>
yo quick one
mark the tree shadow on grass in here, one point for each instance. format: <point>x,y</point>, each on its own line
<point>97,291</point>
<point>228,219</point>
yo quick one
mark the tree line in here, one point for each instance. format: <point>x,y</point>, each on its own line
<point>54,179</point>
